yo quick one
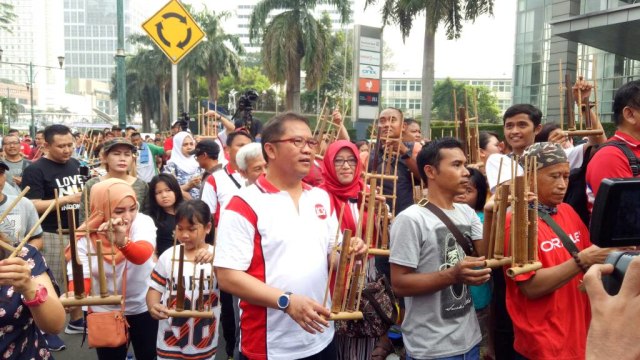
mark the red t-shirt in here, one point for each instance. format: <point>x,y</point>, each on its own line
<point>26,148</point>
<point>168,143</point>
<point>610,162</point>
<point>553,326</point>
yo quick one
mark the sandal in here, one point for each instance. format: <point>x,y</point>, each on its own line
<point>383,348</point>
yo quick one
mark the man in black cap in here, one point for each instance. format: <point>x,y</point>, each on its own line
<point>206,153</point>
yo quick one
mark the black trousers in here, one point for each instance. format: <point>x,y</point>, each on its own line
<point>329,353</point>
<point>228,321</point>
<point>143,332</point>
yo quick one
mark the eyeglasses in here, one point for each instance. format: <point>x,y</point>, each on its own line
<point>338,162</point>
<point>299,142</point>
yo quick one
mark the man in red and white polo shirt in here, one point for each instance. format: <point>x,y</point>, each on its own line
<point>223,184</point>
<point>274,239</point>
<point>611,162</point>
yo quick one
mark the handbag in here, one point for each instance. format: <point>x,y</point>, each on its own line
<point>109,329</point>
<point>378,306</point>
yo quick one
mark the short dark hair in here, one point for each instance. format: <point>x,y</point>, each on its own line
<point>360,143</point>
<point>116,128</point>
<point>232,135</point>
<point>535,115</point>
<point>40,132</point>
<point>480,182</point>
<point>155,210</point>
<point>484,138</point>
<point>56,129</point>
<point>408,121</point>
<point>130,128</point>
<point>9,135</point>
<point>274,128</point>
<point>11,131</point>
<point>430,153</point>
<point>135,134</point>
<point>543,135</point>
<point>627,95</point>
<point>194,211</point>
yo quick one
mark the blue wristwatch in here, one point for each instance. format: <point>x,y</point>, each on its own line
<point>283,301</point>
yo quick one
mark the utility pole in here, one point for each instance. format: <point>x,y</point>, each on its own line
<point>120,70</point>
<point>32,128</point>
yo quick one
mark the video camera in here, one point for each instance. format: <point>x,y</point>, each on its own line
<point>183,121</point>
<point>245,104</point>
<point>615,222</point>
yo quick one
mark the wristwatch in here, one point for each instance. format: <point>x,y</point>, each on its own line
<point>283,301</point>
<point>41,296</point>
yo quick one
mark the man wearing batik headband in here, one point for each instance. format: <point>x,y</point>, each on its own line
<point>550,314</point>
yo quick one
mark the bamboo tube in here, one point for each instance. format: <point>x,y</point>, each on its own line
<point>190,314</point>
<point>6,246</point>
<point>519,222</point>
<point>355,315</point>
<point>561,88</point>
<point>101,275</point>
<point>90,300</point>
<point>339,288</point>
<point>525,268</point>
<point>488,232</point>
<point>583,132</point>
<point>180,291</point>
<point>332,259</point>
<point>355,285</point>
<point>532,231</point>
<point>88,241</point>
<point>379,252</point>
<point>76,266</point>
<point>502,201</point>
<point>200,302</point>
<point>580,116</point>
<point>497,263</point>
<point>385,227</point>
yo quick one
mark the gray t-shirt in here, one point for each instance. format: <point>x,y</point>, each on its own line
<point>20,220</point>
<point>15,169</point>
<point>444,323</point>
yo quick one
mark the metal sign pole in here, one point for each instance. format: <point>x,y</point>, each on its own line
<point>174,93</point>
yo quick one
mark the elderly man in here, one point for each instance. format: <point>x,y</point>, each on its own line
<point>250,162</point>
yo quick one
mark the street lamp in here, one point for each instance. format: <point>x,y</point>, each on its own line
<point>32,127</point>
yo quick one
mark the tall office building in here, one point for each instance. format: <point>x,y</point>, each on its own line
<point>91,37</point>
<point>34,37</point>
<point>574,33</point>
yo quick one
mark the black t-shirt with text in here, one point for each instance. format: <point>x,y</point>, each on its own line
<point>44,176</point>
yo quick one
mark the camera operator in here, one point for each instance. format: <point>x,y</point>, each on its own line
<point>221,140</point>
<point>244,115</point>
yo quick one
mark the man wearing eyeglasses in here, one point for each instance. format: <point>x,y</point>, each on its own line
<point>14,159</point>
<point>274,240</point>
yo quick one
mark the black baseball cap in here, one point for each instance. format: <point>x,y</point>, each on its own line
<point>3,167</point>
<point>209,147</point>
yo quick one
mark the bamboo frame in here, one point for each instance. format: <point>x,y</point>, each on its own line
<point>585,123</point>
<point>325,127</point>
<point>82,296</point>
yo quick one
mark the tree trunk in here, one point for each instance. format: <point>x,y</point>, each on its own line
<point>293,86</point>
<point>427,77</point>
<point>164,107</point>
<point>212,87</point>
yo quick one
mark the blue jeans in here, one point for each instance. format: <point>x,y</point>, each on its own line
<point>473,354</point>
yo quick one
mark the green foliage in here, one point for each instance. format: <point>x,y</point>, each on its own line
<point>293,41</point>
<point>10,109</point>
<point>443,106</point>
<point>7,16</point>
<point>334,88</point>
<point>250,78</point>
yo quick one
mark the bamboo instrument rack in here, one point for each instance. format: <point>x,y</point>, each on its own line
<point>585,124</point>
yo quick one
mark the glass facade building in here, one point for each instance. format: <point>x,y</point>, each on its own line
<point>557,37</point>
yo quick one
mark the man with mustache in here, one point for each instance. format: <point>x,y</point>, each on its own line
<point>430,268</point>
<point>549,312</point>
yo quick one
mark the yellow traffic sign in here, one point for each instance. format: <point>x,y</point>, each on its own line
<point>173,29</point>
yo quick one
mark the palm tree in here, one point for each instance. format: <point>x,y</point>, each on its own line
<point>294,40</point>
<point>217,56</point>
<point>6,16</point>
<point>10,109</point>
<point>449,12</point>
<point>154,69</point>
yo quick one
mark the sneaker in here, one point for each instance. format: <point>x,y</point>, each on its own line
<point>75,327</point>
<point>54,343</point>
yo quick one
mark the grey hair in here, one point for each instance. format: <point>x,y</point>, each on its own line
<point>249,151</point>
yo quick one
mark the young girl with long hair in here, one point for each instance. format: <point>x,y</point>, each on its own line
<point>193,222</point>
<point>164,197</point>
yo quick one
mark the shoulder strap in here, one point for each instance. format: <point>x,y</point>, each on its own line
<point>465,243</point>
<point>566,241</point>
<point>631,157</point>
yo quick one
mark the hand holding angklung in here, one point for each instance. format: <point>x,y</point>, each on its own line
<point>310,315</point>
<point>471,271</point>
<point>159,312</point>
<point>203,256</point>
<point>17,273</point>
<point>358,247</point>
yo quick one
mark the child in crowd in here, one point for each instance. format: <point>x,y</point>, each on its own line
<point>164,197</point>
<point>200,341</point>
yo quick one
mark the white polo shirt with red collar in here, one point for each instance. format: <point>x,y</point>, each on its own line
<point>219,188</point>
<point>263,234</point>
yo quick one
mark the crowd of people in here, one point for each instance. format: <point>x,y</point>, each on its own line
<point>257,216</point>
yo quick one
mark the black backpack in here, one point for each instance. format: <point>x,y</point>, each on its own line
<point>576,195</point>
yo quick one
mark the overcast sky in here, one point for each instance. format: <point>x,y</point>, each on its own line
<point>485,48</point>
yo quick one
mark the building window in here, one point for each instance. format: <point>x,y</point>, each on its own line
<point>414,104</point>
<point>398,85</point>
<point>415,85</point>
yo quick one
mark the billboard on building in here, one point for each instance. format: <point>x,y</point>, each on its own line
<point>368,72</point>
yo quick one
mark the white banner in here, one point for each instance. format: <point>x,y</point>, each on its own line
<point>369,71</point>
<point>369,58</point>
<point>367,112</point>
<point>370,44</point>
